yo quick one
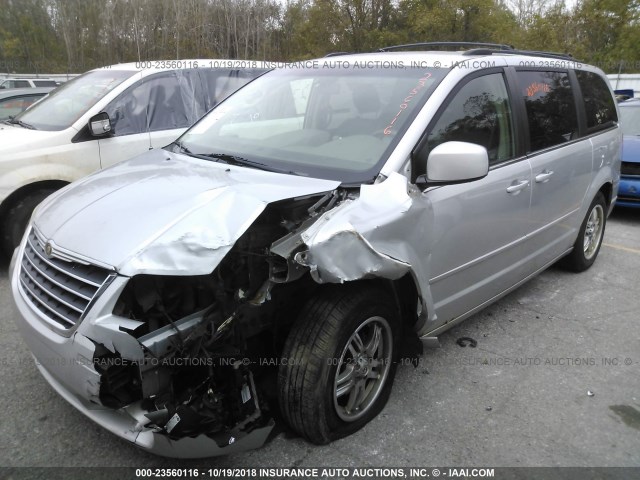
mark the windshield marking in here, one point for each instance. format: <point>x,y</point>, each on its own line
<point>405,104</point>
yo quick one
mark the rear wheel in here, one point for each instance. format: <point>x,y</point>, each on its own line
<point>587,245</point>
<point>339,361</point>
<point>17,218</point>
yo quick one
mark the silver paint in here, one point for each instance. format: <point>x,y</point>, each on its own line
<point>180,218</point>
<point>168,214</point>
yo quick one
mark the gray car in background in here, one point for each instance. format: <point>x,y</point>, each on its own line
<point>17,100</point>
<point>11,83</point>
<point>285,251</point>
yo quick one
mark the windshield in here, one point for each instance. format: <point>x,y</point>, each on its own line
<point>630,119</point>
<point>334,123</point>
<point>68,103</point>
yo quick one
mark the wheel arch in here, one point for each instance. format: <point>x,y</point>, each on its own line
<point>25,190</point>
<point>607,191</point>
<point>403,291</point>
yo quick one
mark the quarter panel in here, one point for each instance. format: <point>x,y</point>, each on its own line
<point>557,199</point>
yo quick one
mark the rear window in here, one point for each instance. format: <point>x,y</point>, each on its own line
<point>45,83</point>
<point>551,110</point>
<point>598,101</point>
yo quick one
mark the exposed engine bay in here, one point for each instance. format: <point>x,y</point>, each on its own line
<point>211,342</point>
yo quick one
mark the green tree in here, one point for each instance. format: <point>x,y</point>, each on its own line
<point>553,29</point>
<point>607,32</point>
<point>461,20</point>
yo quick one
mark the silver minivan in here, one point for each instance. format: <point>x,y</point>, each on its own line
<point>279,253</point>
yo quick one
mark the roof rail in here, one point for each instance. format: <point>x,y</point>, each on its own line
<point>335,54</point>
<point>458,45</point>
<point>536,53</point>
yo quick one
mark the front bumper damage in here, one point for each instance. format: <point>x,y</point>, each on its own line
<point>69,365</point>
<point>175,364</point>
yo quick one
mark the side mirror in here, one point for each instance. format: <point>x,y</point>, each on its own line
<point>455,162</point>
<point>100,125</point>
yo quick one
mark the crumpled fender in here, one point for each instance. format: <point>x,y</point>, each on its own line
<point>346,255</point>
<point>359,239</point>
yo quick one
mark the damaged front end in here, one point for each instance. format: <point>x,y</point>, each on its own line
<point>195,357</point>
<point>185,365</point>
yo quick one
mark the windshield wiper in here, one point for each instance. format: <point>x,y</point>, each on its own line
<point>245,162</point>
<point>182,148</point>
<point>236,160</point>
<point>13,121</point>
<point>230,159</point>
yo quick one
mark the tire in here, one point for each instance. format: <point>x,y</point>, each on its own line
<point>336,377</point>
<point>17,218</point>
<point>587,245</point>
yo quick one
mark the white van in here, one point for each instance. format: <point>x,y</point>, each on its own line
<point>146,105</point>
<point>28,83</point>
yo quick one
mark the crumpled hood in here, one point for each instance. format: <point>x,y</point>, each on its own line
<point>15,139</point>
<point>164,213</point>
<point>631,148</point>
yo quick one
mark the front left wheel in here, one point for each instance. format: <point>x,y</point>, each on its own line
<point>338,362</point>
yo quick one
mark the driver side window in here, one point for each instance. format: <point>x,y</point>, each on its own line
<point>128,112</point>
<point>156,103</point>
<point>479,113</point>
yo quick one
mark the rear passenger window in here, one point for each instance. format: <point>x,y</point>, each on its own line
<point>221,83</point>
<point>166,109</point>
<point>479,113</point>
<point>551,110</point>
<point>598,101</point>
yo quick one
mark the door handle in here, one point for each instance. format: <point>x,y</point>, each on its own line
<point>544,176</point>
<point>517,186</point>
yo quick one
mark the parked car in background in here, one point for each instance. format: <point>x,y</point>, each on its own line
<point>277,254</point>
<point>624,94</point>
<point>17,100</point>
<point>629,190</point>
<point>28,83</point>
<point>135,108</point>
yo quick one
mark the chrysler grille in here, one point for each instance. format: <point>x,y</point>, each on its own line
<point>60,290</point>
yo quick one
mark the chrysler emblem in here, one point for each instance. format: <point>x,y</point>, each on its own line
<point>48,249</point>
